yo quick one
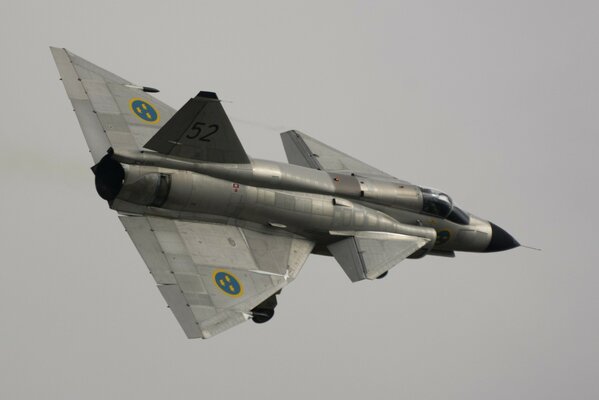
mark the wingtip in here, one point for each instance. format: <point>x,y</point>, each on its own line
<point>59,52</point>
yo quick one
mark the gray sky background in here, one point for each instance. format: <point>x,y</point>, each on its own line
<point>496,103</point>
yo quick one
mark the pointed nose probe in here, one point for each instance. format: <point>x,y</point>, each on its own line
<point>500,240</point>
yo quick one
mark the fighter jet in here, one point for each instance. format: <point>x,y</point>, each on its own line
<point>223,233</point>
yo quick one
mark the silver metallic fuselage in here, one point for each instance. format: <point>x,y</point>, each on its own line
<point>297,199</point>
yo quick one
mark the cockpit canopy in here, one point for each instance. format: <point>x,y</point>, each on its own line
<point>436,203</point>
<point>440,205</point>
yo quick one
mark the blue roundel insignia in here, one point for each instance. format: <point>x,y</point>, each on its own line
<point>442,237</point>
<point>144,111</point>
<point>228,283</point>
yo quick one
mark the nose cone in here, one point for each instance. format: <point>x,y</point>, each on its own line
<point>500,240</point>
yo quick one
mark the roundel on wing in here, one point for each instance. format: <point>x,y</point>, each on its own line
<point>144,110</point>
<point>227,282</point>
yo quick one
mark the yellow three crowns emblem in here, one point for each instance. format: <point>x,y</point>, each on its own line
<point>227,282</point>
<point>144,111</point>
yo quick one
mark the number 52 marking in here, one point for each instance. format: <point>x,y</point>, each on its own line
<point>198,127</point>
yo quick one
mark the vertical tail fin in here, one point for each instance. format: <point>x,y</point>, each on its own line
<point>201,131</point>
